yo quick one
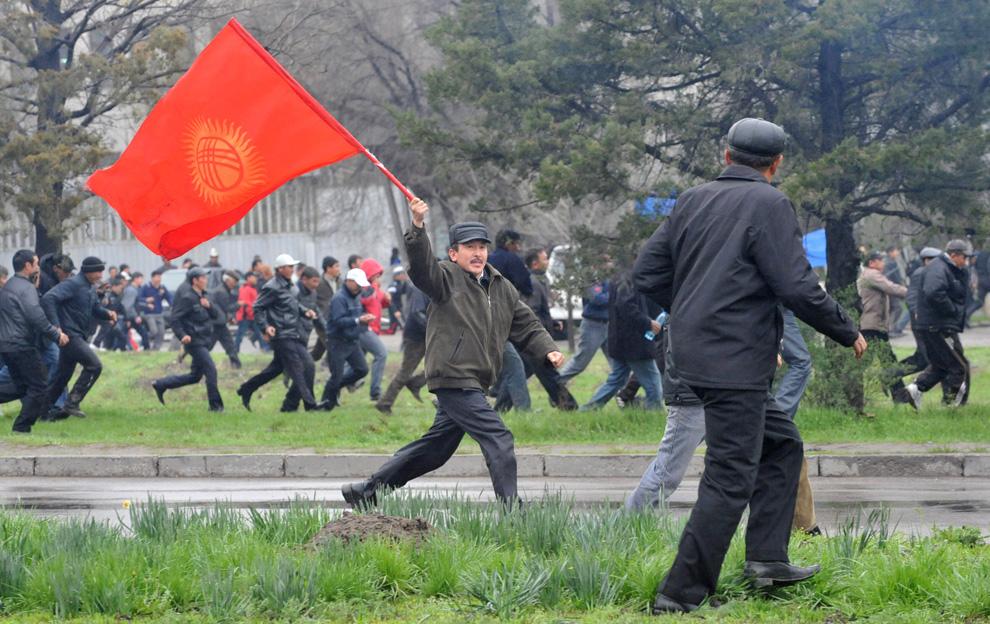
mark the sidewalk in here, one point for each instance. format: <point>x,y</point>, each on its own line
<point>834,460</point>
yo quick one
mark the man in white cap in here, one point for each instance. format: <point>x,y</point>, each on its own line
<point>214,269</point>
<point>345,322</point>
<point>278,313</point>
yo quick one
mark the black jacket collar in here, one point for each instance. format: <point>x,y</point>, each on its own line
<point>742,172</point>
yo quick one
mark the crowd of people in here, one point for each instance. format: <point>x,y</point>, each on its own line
<point>700,321</point>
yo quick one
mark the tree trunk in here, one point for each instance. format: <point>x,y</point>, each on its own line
<point>44,243</point>
<point>843,260</point>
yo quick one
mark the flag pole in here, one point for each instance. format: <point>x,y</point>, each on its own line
<point>388,174</point>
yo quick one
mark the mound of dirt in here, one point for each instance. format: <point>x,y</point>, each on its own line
<point>360,527</point>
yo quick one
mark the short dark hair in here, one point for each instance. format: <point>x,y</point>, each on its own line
<point>329,261</point>
<point>124,267</point>
<point>21,258</point>
<point>117,280</point>
<point>155,272</point>
<point>352,259</point>
<point>504,237</point>
<point>136,274</point>
<point>751,160</point>
<point>533,254</point>
<point>309,272</point>
<point>892,248</point>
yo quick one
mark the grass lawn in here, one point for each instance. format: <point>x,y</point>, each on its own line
<point>548,563</point>
<point>123,412</point>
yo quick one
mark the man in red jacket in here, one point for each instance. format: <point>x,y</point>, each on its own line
<point>246,296</point>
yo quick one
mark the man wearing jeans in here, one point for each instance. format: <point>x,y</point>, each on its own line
<point>346,321</point>
<point>474,310</point>
<point>630,317</point>
<point>723,261</point>
<point>594,332</point>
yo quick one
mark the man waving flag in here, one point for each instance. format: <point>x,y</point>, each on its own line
<point>233,129</point>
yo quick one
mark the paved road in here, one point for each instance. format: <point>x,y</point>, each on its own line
<point>916,504</point>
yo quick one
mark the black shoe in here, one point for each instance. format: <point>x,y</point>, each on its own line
<point>159,392</point>
<point>71,410</point>
<point>245,398</point>
<point>764,574</point>
<point>235,363</point>
<point>55,414</point>
<point>355,386</point>
<point>384,409</point>
<point>376,397</point>
<point>218,409</point>
<point>662,604</point>
<point>322,406</point>
<point>360,495</point>
<point>565,400</point>
<point>814,531</point>
<point>288,410</point>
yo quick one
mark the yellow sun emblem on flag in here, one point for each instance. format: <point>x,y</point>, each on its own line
<point>224,164</point>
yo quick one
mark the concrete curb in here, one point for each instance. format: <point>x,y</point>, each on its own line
<point>467,466</point>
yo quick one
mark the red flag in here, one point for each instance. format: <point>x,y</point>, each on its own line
<point>233,129</point>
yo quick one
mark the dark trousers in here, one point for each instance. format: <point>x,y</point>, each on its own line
<point>413,352</point>
<point>320,348</point>
<point>917,361</point>
<point>292,358</point>
<point>202,366</point>
<point>222,335</point>
<point>459,411</point>
<point>754,458</point>
<point>341,354</point>
<point>946,363</point>
<point>76,351</point>
<point>892,373</point>
<point>28,371</point>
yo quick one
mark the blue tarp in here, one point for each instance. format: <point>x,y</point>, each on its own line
<point>814,248</point>
<point>654,206</point>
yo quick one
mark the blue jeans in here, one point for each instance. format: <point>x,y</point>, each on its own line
<point>511,383</point>
<point>245,326</point>
<point>593,336</point>
<point>371,343</point>
<point>798,359</point>
<point>684,432</point>
<point>646,372</point>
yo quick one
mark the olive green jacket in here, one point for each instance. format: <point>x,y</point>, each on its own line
<point>470,320</point>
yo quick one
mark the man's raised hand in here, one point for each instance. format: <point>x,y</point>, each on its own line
<point>418,208</point>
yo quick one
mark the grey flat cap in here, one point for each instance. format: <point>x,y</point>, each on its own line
<point>930,252</point>
<point>469,231</point>
<point>959,246</point>
<point>757,137</point>
<point>195,272</point>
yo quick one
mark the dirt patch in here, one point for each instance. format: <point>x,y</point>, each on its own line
<point>360,527</point>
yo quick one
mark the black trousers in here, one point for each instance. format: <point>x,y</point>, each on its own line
<point>292,358</point>
<point>202,366</point>
<point>339,354</point>
<point>947,363</point>
<point>320,348</point>
<point>76,351</point>
<point>413,352</point>
<point>917,361</point>
<point>28,371</point>
<point>892,375</point>
<point>459,411</point>
<point>222,335</point>
<point>754,458</point>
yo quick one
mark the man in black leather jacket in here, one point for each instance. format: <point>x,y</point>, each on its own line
<point>72,305</point>
<point>279,314</point>
<point>192,321</point>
